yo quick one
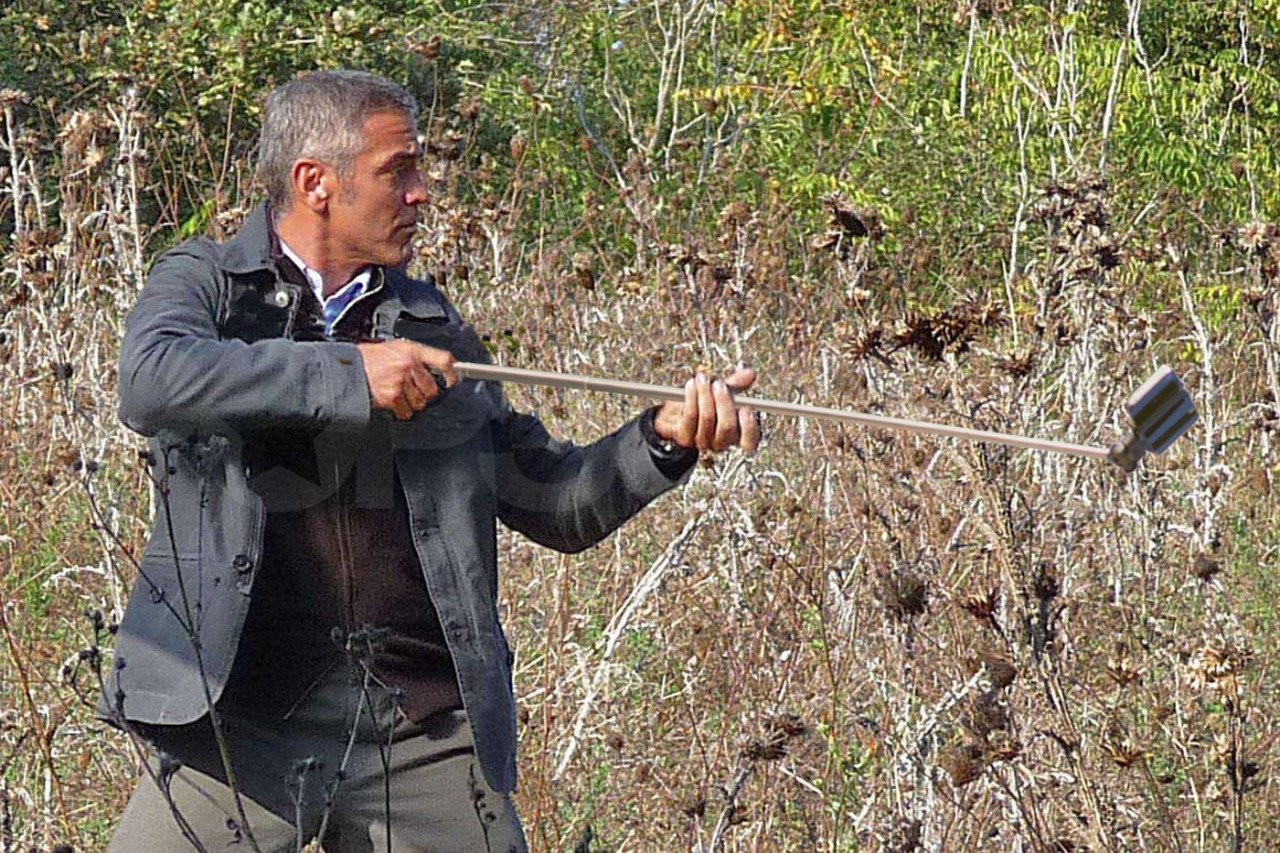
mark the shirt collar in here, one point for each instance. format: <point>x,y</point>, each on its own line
<point>358,283</point>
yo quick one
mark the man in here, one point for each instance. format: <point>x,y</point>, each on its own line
<point>313,647</point>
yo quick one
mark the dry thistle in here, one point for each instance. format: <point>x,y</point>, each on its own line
<point>905,593</point>
<point>867,345</point>
<point>735,213</point>
<point>1019,364</point>
<point>787,725</point>
<point>693,806</point>
<point>1123,752</point>
<point>584,272</point>
<point>986,715</point>
<point>983,606</point>
<point>1003,746</point>
<point>1221,667</point>
<point>1205,569</point>
<point>1045,584</point>
<point>758,749</point>
<point>428,50</point>
<point>1121,668</point>
<point>964,763</point>
<point>907,836</point>
<point>470,109</point>
<point>853,221</point>
<point>1257,237</point>
<point>999,667</point>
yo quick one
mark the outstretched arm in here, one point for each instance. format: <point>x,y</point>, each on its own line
<point>569,497</point>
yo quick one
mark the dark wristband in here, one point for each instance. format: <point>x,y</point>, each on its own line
<point>672,459</point>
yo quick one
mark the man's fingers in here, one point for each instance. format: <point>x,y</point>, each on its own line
<point>706,413</point>
<point>742,379</point>
<point>414,395</point>
<point>423,385</point>
<point>440,362</point>
<point>749,426</point>
<point>687,431</point>
<point>727,432</point>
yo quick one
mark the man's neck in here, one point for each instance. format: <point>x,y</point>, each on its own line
<point>308,237</point>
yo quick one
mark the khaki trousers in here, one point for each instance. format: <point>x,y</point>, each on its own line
<point>344,762</point>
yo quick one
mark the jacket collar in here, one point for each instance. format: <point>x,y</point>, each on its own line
<point>254,247</point>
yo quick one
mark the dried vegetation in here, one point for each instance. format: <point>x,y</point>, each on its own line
<point>857,639</point>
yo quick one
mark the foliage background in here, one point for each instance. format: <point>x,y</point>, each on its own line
<point>987,211</point>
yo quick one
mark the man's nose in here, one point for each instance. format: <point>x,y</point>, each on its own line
<point>417,193</point>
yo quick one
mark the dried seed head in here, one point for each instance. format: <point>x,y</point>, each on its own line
<point>905,593</point>
<point>983,606</point>
<point>1003,746</point>
<point>1220,667</point>
<point>758,749</point>
<point>787,725</point>
<point>693,805</point>
<point>1205,569</point>
<point>1045,584</point>
<point>1123,752</point>
<point>428,50</point>
<point>1254,237</point>
<point>999,667</point>
<point>964,763</point>
<point>1019,364</point>
<point>1121,668</point>
<point>735,213</point>
<point>907,836</point>
<point>470,109</point>
<point>851,220</point>
<point>584,270</point>
<point>869,344</point>
<point>986,714</point>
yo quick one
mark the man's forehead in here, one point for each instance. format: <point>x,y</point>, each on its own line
<point>391,133</point>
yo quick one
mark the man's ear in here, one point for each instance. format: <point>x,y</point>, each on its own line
<point>313,184</point>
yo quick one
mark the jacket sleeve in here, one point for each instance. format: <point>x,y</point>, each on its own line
<point>569,497</point>
<point>176,372</point>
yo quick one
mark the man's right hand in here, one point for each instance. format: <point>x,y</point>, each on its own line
<point>399,374</point>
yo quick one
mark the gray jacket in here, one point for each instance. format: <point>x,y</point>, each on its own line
<point>209,363</point>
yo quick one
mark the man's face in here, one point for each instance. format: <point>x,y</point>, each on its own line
<point>374,214</point>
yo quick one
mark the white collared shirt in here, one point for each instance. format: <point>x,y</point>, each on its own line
<point>336,305</point>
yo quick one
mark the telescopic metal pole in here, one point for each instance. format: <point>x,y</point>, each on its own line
<point>522,376</point>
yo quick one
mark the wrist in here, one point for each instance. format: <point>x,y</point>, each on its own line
<point>661,446</point>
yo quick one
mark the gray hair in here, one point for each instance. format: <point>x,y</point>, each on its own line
<point>321,116</point>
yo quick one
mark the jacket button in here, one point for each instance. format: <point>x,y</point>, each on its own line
<point>242,564</point>
<point>282,298</point>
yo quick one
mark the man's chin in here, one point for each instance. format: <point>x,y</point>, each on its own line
<point>399,257</point>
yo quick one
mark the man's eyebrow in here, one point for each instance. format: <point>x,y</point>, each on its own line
<point>400,157</point>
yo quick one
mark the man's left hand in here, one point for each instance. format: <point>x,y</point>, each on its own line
<point>708,419</point>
